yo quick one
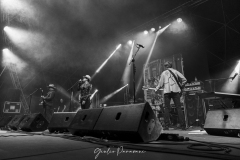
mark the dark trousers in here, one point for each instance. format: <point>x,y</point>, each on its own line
<point>167,107</point>
<point>87,103</point>
<point>48,112</point>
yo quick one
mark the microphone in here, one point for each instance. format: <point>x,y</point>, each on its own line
<point>141,46</point>
<point>235,75</point>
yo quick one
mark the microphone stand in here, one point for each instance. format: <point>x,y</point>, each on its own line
<point>212,82</point>
<point>134,72</point>
<point>71,97</point>
<point>30,100</point>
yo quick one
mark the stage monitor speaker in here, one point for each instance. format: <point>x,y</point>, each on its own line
<point>84,122</point>
<point>4,121</point>
<point>224,122</point>
<point>61,121</point>
<point>33,123</point>
<point>134,122</point>
<point>16,120</point>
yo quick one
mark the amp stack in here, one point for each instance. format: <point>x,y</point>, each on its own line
<point>195,109</point>
<point>194,87</point>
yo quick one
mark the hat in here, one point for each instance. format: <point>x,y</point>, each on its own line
<point>88,77</point>
<point>51,86</point>
<point>168,64</point>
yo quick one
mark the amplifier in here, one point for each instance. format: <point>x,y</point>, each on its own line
<point>194,86</point>
<point>194,83</point>
<point>12,107</point>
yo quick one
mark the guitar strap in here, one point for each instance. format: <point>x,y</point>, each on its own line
<point>176,79</point>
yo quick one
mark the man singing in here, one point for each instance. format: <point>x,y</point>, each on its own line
<point>48,109</point>
<point>171,81</point>
<point>84,88</point>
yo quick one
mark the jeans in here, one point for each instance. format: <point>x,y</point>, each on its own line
<point>176,99</point>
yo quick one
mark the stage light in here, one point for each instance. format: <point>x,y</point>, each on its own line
<point>130,42</point>
<point>118,46</point>
<point>8,57</point>
<point>145,32</point>
<point>152,29</point>
<point>127,70</point>
<point>112,94</point>
<point>237,68</point>
<point>154,42</point>
<point>91,97</point>
<point>179,20</point>
<point>5,50</point>
<point>5,28</point>
<point>231,86</point>
<point>106,60</point>
<point>20,8</point>
<point>160,27</point>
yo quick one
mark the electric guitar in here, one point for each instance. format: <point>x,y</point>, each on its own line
<point>84,97</point>
<point>147,88</point>
<point>42,100</point>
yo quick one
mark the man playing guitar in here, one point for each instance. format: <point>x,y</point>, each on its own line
<point>84,88</point>
<point>172,83</point>
<point>47,102</point>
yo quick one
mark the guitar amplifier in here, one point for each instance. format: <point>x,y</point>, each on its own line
<point>12,107</point>
<point>194,86</point>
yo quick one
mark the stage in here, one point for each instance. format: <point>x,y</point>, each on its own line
<point>42,145</point>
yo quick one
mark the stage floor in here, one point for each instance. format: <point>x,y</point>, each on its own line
<point>42,145</point>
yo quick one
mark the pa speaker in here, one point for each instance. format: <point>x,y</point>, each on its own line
<point>223,122</point>
<point>61,121</point>
<point>84,122</point>
<point>33,123</point>
<point>4,121</point>
<point>14,123</point>
<point>135,122</point>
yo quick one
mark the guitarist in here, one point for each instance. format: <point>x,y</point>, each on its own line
<point>47,102</point>
<point>84,88</point>
<point>172,83</point>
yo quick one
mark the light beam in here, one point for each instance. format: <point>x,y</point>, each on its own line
<point>127,70</point>
<point>112,94</point>
<point>103,64</point>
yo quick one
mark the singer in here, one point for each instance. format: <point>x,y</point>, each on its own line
<point>84,88</point>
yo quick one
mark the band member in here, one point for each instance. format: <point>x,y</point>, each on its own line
<point>84,88</point>
<point>48,109</point>
<point>172,82</point>
<point>62,107</point>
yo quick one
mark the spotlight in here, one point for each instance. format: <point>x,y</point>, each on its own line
<point>5,50</point>
<point>107,60</point>
<point>160,27</point>
<point>130,42</point>
<point>237,68</point>
<point>5,28</point>
<point>152,29</point>
<point>145,32</point>
<point>118,46</point>
<point>179,20</point>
